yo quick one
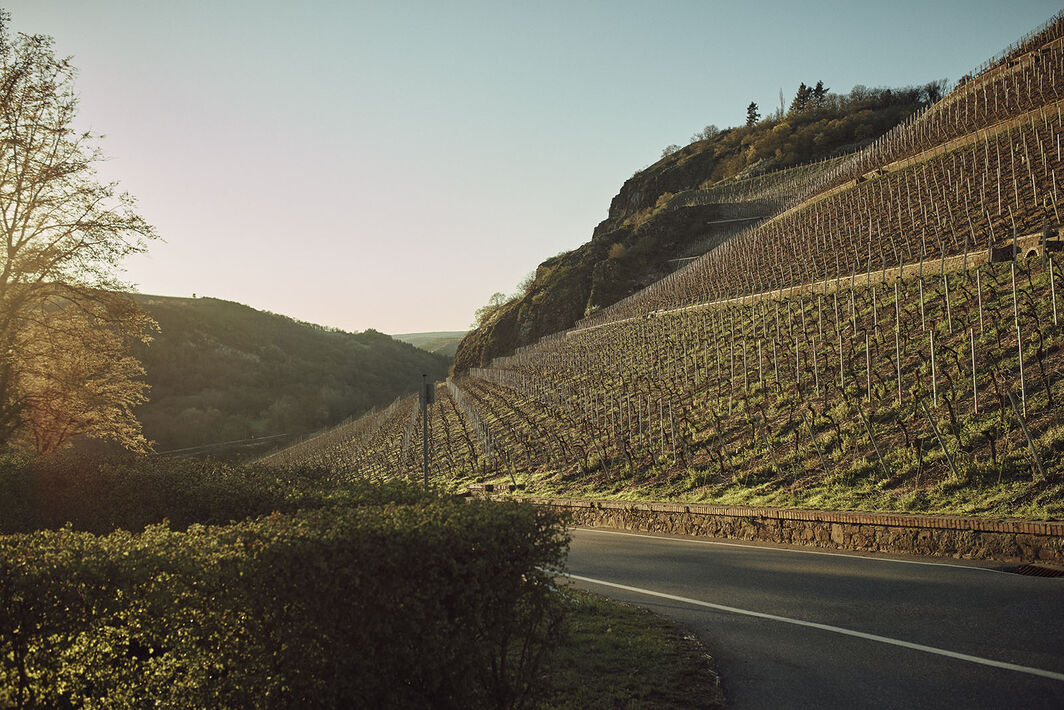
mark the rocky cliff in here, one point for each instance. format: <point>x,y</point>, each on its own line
<point>680,207</point>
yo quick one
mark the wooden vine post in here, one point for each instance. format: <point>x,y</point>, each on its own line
<point>1027,434</point>
<point>1053,288</point>
<point>897,337</point>
<point>872,438</point>
<point>941,443</point>
<point>979,296</point>
<point>1019,338</point>
<point>934,377</point>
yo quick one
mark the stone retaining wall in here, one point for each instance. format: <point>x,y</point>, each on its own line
<point>943,536</point>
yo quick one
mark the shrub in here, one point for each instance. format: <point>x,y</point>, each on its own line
<point>106,493</point>
<point>437,604</point>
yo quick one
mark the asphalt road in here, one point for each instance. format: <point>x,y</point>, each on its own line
<point>792,628</point>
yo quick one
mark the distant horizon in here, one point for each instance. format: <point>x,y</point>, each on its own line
<point>390,167</point>
<point>198,296</point>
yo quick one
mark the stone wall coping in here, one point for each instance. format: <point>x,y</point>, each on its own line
<point>910,520</point>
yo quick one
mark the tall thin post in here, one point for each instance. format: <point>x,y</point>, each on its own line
<point>897,337</point>
<point>812,438</point>
<point>1027,434</point>
<point>938,436</point>
<point>1019,339</point>
<point>425,426</point>
<point>872,438</point>
<point>934,379</point>
<point>979,296</point>
<point>868,369</point>
<point>1053,289</point>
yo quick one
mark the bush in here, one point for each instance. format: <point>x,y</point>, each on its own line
<point>435,604</point>
<point>128,492</point>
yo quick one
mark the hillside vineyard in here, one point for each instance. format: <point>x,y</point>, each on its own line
<point>894,325</point>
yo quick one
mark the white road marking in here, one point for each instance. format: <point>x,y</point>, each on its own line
<point>791,549</point>
<point>833,629</point>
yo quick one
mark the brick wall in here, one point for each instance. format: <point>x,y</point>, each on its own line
<point>936,535</point>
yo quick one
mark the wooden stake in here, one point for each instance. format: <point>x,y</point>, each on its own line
<point>923,320</point>
<point>949,314</point>
<point>875,308</point>
<point>746,383</point>
<point>934,379</point>
<point>938,436</point>
<point>868,429</point>
<point>868,368</point>
<point>816,370</point>
<point>1053,288</point>
<point>1019,338</point>
<point>979,296</point>
<point>1026,433</point>
<point>812,437</point>
<point>975,388</point>
<point>760,371</point>
<point>897,337</point>
<point>842,373</point>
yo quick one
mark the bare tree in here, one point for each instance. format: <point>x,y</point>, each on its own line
<point>64,231</point>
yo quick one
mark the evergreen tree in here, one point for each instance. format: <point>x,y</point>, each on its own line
<point>801,99</point>
<point>752,114</point>
<point>820,92</point>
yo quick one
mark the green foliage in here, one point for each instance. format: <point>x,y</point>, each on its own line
<point>801,98</point>
<point>440,603</point>
<point>221,371</point>
<point>816,127</point>
<point>102,494</point>
<point>484,313</point>
<point>65,333</point>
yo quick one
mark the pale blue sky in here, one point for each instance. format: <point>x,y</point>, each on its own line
<point>390,165</point>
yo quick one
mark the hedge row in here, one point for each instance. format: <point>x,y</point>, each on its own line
<point>101,494</point>
<point>441,604</point>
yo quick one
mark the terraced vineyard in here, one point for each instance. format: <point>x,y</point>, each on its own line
<point>890,339</point>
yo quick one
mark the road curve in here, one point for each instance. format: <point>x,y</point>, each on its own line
<point>795,628</point>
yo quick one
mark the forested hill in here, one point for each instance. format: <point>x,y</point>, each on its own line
<point>686,203</point>
<point>222,371</point>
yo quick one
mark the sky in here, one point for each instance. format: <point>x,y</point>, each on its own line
<point>391,165</point>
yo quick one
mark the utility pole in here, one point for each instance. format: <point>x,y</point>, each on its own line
<point>428,396</point>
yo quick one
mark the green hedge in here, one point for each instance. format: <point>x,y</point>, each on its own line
<point>101,494</point>
<point>440,604</point>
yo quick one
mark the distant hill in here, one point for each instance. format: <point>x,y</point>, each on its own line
<point>443,342</point>
<point>221,371</point>
<point>685,204</point>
